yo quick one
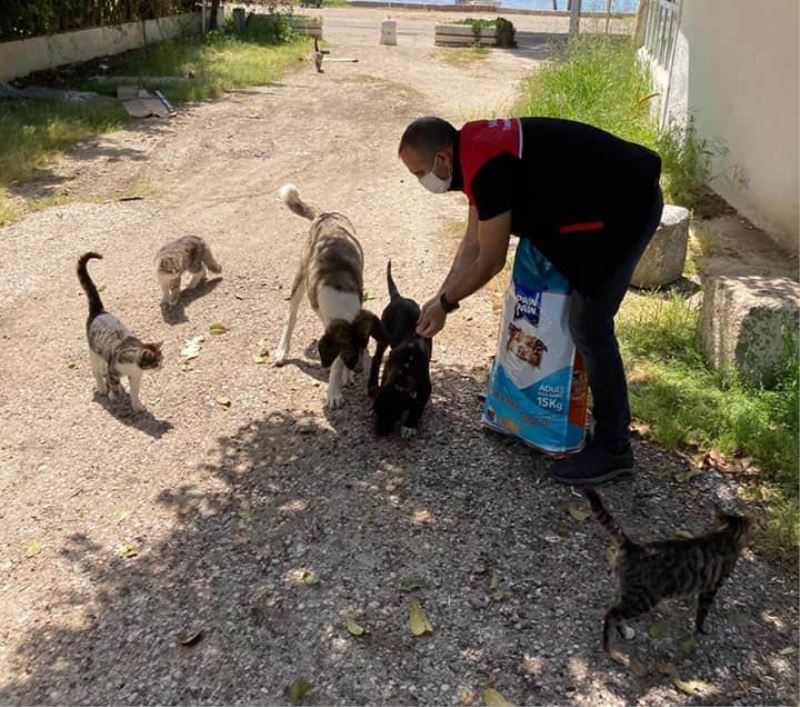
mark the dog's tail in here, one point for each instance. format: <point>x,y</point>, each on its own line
<point>291,197</point>
<point>210,261</point>
<point>95,303</point>
<point>604,518</point>
<point>393,291</point>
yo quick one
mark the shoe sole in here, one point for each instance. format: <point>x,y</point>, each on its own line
<point>615,475</point>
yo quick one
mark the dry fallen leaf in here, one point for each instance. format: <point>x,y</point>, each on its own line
<point>418,621</point>
<point>33,549</point>
<point>467,698</point>
<point>310,578</point>
<point>684,476</point>
<point>191,639</point>
<point>123,516</point>
<point>355,628</point>
<point>102,288</point>
<point>681,533</point>
<point>72,365</point>
<point>637,667</point>
<point>217,328</point>
<point>186,367</point>
<point>578,513</point>
<point>297,690</point>
<point>128,550</point>
<point>413,585</point>
<point>690,687</point>
<point>492,698</point>
<point>224,401</point>
<point>495,582</point>
<point>688,644</point>
<point>259,359</point>
<point>191,348</point>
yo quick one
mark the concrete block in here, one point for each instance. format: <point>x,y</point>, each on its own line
<point>663,260</point>
<point>750,324</point>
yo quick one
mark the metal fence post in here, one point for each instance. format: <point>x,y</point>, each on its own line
<point>575,17</point>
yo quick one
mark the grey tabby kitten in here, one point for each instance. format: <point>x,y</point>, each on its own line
<point>646,573</point>
<point>114,350</point>
<point>187,254</point>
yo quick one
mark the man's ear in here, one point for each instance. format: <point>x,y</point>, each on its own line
<point>328,349</point>
<point>368,324</point>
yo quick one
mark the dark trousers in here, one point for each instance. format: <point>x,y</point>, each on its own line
<point>591,321</point>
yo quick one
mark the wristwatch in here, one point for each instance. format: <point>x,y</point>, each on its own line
<point>447,306</point>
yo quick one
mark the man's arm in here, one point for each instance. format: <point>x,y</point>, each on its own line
<point>467,277</point>
<point>466,253</point>
<point>493,237</point>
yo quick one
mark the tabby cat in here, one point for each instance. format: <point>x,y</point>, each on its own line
<point>187,254</point>
<point>646,573</point>
<point>114,350</point>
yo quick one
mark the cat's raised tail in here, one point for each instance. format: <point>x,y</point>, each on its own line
<point>95,303</point>
<point>604,518</point>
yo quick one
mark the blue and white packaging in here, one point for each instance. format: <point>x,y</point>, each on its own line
<point>537,388</point>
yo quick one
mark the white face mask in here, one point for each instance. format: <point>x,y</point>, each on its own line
<point>434,183</point>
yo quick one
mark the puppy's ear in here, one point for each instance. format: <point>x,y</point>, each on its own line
<point>328,349</point>
<point>368,324</point>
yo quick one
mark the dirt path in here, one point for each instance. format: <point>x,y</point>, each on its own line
<point>124,534</point>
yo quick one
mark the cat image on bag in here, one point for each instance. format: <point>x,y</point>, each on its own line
<point>188,254</point>
<point>524,346</point>
<point>646,573</point>
<point>114,350</point>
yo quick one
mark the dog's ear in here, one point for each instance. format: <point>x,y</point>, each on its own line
<point>328,349</point>
<point>369,324</point>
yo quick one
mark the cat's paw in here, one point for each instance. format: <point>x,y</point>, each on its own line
<point>348,377</point>
<point>138,407</point>
<point>335,399</point>
<point>407,432</point>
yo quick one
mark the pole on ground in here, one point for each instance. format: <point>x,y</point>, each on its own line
<point>574,17</point>
<point>608,14</point>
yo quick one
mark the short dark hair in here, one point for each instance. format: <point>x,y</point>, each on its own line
<point>428,135</point>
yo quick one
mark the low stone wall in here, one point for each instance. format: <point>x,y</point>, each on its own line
<point>462,36</point>
<point>22,57</point>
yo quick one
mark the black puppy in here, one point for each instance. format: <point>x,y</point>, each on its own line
<point>406,383</point>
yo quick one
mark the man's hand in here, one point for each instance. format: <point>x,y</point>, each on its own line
<point>431,318</point>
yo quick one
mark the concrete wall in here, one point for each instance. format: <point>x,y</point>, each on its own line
<point>736,69</point>
<point>25,56</point>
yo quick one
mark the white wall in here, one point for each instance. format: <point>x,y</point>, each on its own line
<point>25,56</point>
<point>736,68</point>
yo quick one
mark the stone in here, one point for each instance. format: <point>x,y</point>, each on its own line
<point>749,324</point>
<point>663,259</point>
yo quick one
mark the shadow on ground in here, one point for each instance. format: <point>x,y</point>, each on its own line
<point>514,586</point>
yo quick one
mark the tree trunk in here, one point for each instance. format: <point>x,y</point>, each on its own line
<point>212,23</point>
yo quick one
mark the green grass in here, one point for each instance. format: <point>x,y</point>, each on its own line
<point>689,407</point>
<point>602,82</point>
<point>212,67</point>
<point>33,132</point>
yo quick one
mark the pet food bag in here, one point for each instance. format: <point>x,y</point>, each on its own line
<point>537,387</point>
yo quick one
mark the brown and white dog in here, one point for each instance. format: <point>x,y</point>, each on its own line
<point>524,346</point>
<point>331,272</point>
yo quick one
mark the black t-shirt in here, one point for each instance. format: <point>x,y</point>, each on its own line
<point>580,194</point>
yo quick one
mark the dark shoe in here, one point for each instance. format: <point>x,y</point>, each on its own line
<point>593,465</point>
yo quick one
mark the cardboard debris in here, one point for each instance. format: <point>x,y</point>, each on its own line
<point>140,103</point>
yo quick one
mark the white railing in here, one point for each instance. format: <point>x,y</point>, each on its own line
<point>661,22</point>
